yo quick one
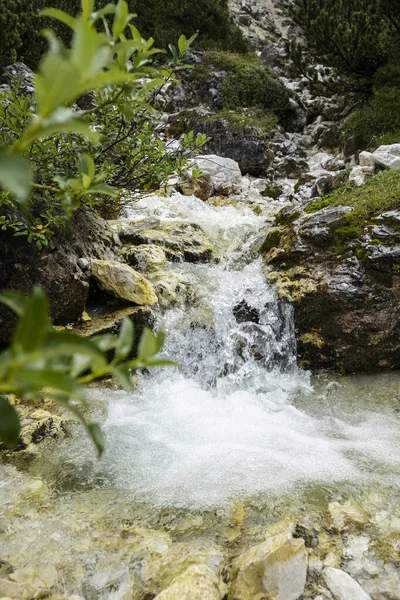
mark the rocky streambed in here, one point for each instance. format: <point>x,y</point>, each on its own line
<point>238,476</point>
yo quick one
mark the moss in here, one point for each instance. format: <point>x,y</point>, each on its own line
<point>200,73</point>
<point>273,239</point>
<point>317,205</point>
<point>229,61</point>
<point>314,338</point>
<point>286,218</point>
<point>265,121</point>
<point>349,232</point>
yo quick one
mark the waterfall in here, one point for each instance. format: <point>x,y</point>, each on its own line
<point>229,423</point>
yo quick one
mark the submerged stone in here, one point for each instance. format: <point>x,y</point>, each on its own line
<point>196,583</point>
<point>276,569</point>
<point>342,586</point>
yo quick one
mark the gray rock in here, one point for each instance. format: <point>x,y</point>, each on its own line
<point>225,173</point>
<point>387,157</point>
<point>18,71</point>
<point>342,586</point>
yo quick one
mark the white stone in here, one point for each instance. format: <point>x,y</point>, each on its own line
<point>225,173</point>
<point>387,156</point>
<point>359,174</point>
<point>342,586</point>
<point>276,568</point>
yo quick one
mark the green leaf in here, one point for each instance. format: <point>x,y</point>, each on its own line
<point>122,374</point>
<point>62,120</point>
<point>14,301</point>
<point>65,343</point>
<point>102,188</point>
<point>51,380</point>
<point>34,324</point>
<point>87,169</point>
<point>125,340</point>
<point>9,423</point>
<point>87,8</point>
<point>121,19</point>
<point>182,43</point>
<point>150,344</point>
<point>97,436</point>
<point>60,15</point>
<point>16,175</point>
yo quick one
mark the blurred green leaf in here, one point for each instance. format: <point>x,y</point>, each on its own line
<point>9,423</point>
<point>15,175</point>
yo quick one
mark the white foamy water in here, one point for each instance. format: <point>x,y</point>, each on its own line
<point>239,418</point>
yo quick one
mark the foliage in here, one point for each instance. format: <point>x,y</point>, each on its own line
<point>242,118</point>
<point>377,195</point>
<point>254,87</point>
<point>21,24</point>
<point>355,37</point>
<point>378,121</point>
<point>43,363</point>
<point>78,157</point>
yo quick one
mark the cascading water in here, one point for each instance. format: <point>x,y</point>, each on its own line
<point>227,425</point>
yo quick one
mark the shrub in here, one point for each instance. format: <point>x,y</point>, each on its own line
<point>378,121</point>
<point>254,87</point>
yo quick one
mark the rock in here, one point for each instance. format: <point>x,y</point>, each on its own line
<point>272,56</point>
<point>345,312</point>
<point>350,512</point>
<point>173,288</point>
<point>291,166</point>
<point>123,282</point>
<point>201,187</point>
<point>225,173</point>
<point>55,268</point>
<point>323,185</point>
<point>387,157</point>
<point>326,134</point>
<point>244,144</point>
<point>316,229</point>
<point>127,230</point>
<point>180,241</point>
<point>358,175</point>
<point>342,586</point>
<point>20,71</point>
<point>196,583</point>
<point>276,568</point>
<point>146,257</point>
<point>110,322</point>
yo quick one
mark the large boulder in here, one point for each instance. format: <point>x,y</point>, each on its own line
<point>59,268</point>
<point>146,257</point>
<point>196,583</point>
<point>225,173</point>
<point>246,145</point>
<point>276,569</point>
<point>343,286</point>
<point>123,282</point>
<point>386,157</point>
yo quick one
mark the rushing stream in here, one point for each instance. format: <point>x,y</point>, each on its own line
<point>240,422</point>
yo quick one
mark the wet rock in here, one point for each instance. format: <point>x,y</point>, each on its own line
<point>350,512</point>
<point>244,313</point>
<point>196,583</point>
<point>123,282</point>
<point>344,310</point>
<point>275,568</point>
<point>225,173</point>
<point>110,322</point>
<point>180,241</point>
<point>174,288</point>
<point>342,586</point>
<point>45,425</point>
<point>316,229</point>
<point>127,230</point>
<point>145,257</point>
<point>383,258</point>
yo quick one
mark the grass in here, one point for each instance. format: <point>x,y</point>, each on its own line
<point>377,195</point>
<point>241,118</point>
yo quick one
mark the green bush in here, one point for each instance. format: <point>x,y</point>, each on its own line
<point>21,25</point>
<point>254,87</point>
<point>378,121</point>
<point>355,37</point>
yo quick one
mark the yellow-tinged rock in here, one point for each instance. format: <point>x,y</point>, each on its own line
<point>196,583</point>
<point>123,282</point>
<point>350,512</point>
<point>275,569</point>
